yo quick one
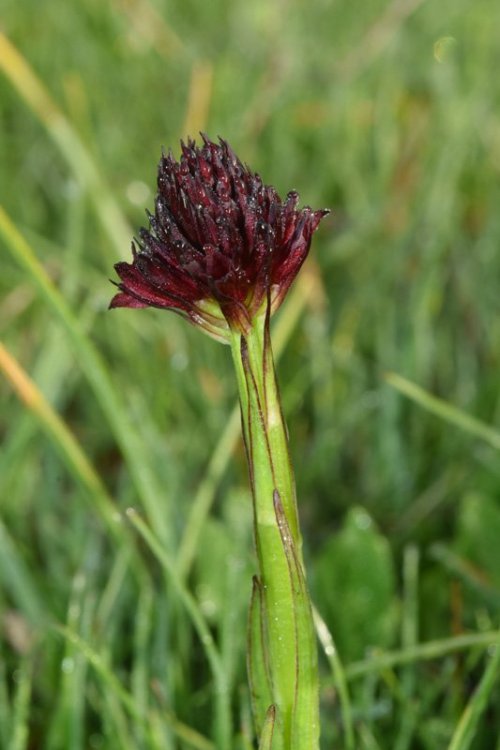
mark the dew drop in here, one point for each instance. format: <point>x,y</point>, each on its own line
<point>444,48</point>
<point>67,665</point>
<point>137,193</point>
<point>179,361</point>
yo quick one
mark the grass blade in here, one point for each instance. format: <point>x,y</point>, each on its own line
<point>465,731</point>
<point>74,457</point>
<point>96,373</point>
<point>187,734</point>
<point>444,410</point>
<point>222,708</point>
<point>36,96</point>
<point>339,675</point>
<point>422,652</point>
<point>20,708</point>
<point>18,579</point>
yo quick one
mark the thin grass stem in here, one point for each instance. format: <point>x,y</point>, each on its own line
<point>32,90</point>
<point>444,410</point>
<point>223,714</point>
<point>339,675</point>
<point>422,652</point>
<point>70,450</point>
<point>466,729</point>
<point>187,734</point>
<point>93,367</point>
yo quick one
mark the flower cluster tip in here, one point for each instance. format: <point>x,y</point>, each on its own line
<point>221,245</point>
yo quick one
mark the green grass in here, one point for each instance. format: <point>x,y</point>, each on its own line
<point>125,524</point>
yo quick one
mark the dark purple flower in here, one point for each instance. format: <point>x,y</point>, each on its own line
<point>221,244</point>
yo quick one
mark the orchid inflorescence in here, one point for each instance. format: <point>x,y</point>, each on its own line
<point>221,243</point>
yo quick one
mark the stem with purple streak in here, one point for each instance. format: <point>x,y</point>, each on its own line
<point>282,656</point>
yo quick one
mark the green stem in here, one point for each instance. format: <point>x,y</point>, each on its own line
<point>290,647</point>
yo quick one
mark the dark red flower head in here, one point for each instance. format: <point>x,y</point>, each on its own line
<point>221,244</point>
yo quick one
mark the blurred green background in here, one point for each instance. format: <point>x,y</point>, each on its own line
<point>386,112</point>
